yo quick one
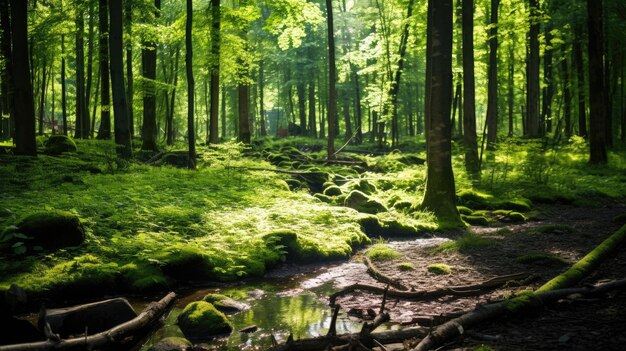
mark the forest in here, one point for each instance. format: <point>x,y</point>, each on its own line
<point>312,175</point>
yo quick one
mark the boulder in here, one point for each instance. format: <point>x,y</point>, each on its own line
<point>172,343</point>
<point>225,304</point>
<point>201,319</point>
<point>57,144</point>
<point>52,229</point>
<point>363,203</point>
<point>96,317</point>
<point>332,190</point>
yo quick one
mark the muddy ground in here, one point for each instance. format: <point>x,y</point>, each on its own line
<point>578,324</point>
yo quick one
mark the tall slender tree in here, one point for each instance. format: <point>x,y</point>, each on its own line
<point>63,87</point>
<point>332,79</point>
<point>440,195</point>
<point>191,133</point>
<point>128,20</point>
<point>580,73</point>
<point>472,165</point>
<point>597,130</point>
<point>104,132</point>
<point>22,94</point>
<point>492,89</point>
<point>82,117</point>
<point>215,71</point>
<point>120,104</point>
<point>532,75</point>
<point>6,71</point>
<point>149,65</point>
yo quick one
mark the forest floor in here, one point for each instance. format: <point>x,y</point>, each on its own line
<point>565,232</point>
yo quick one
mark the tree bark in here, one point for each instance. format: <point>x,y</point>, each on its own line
<point>82,117</point>
<point>567,98</point>
<point>42,95</point>
<point>262,121</point>
<point>492,90</point>
<point>215,71</point>
<point>169,123</point>
<point>191,134</point>
<point>148,65</point>
<point>312,118</point>
<point>440,195</point>
<point>597,132</point>
<point>580,72</point>
<point>301,91</point>
<point>104,132</point>
<point>511,90</point>
<point>63,87</point>
<point>6,71</point>
<point>120,104</point>
<point>548,79</point>
<point>22,94</point>
<point>472,165</point>
<point>90,36</point>
<point>243,91</point>
<point>532,94</point>
<point>130,91</point>
<point>332,79</point>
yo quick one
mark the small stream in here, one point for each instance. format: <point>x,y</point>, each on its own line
<point>290,300</point>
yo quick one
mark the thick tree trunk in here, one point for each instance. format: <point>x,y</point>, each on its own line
<point>492,90</point>
<point>332,79</point>
<point>312,118</point>
<point>244,113</point>
<point>130,95</point>
<point>89,77</point>
<point>22,94</point>
<point>191,133</point>
<point>440,195</point>
<point>104,132</point>
<point>472,165</point>
<point>215,72</point>
<point>597,135</point>
<point>6,72</point>
<point>532,97</point>
<point>120,105</point>
<point>301,91</point>
<point>567,98</point>
<point>511,90</point>
<point>548,90</point>
<point>82,117</point>
<point>580,72</point>
<point>148,65</point>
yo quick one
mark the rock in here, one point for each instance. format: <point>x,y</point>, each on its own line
<point>186,263</point>
<point>225,304</point>
<point>57,144</point>
<point>172,343</point>
<point>363,203</point>
<point>178,159</point>
<point>403,205</point>
<point>201,319</point>
<point>249,329</point>
<point>464,210</point>
<point>323,198</point>
<point>15,298</point>
<point>293,184</point>
<point>363,186</point>
<point>411,160</point>
<point>332,190</point>
<point>52,229</point>
<point>97,317</point>
<point>475,220</point>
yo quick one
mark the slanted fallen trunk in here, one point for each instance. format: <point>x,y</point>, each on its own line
<point>554,289</point>
<point>381,277</point>
<point>106,338</point>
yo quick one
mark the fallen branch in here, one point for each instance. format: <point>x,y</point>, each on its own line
<point>554,289</point>
<point>462,290</point>
<point>108,337</point>
<point>382,277</point>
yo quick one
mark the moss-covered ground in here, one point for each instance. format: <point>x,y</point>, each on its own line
<point>247,209</point>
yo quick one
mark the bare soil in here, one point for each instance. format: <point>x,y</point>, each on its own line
<point>571,324</point>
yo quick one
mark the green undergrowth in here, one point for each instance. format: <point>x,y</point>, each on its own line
<point>381,252</point>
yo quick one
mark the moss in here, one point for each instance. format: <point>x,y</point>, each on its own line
<point>476,220</point>
<point>466,242</point>
<point>403,205</point>
<point>293,184</point>
<point>315,180</point>
<point>439,269</point>
<point>363,186</point>
<point>201,319</point>
<point>540,258</point>
<point>363,203</point>
<point>464,210</point>
<point>172,343</point>
<point>142,277</point>
<point>57,144</point>
<point>332,190</point>
<point>411,160</point>
<point>553,229</point>
<point>523,300</point>
<point>482,201</point>
<point>276,159</point>
<point>323,198</point>
<point>406,266</point>
<point>516,217</point>
<point>52,229</point>
<point>186,263</point>
<point>295,248</point>
<point>381,252</point>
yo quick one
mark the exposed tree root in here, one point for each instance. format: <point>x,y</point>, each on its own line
<point>382,277</point>
<point>462,290</point>
<point>106,338</point>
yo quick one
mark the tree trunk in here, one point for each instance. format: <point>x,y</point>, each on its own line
<point>89,77</point>
<point>63,87</point>
<point>548,90</point>
<point>82,117</point>
<point>262,126</point>
<point>130,92</point>
<point>567,98</point>
<point>6,71</point>
<point>427,81</point>
<point>532,104</point>
<point>346,118</point>
<point>191,134</point>
<point>169,123</point>
<point>358,114</point>
<point>215,72</point>
<point>440,195</point>
<point>580,72</point>
<point>223,114</point>
<point>511,90</point>
<point>148,65</point>
<point>472,165</point>
<point>104,132</point>
<point>22,94</point>
<point>243,91</point>
<point>312,118</point>
<point>120,105</point>
<point>597,135</point>
<point>332,79</point>
<point>492,90</point>
<point>42,95</point>
<point>301,91</point>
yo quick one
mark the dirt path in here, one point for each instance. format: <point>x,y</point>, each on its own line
<point>581,324</point>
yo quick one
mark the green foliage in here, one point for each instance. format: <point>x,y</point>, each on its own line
<point>467,242</point>
<point>201,319</point>
<point>439,269</point>
<point>381,252</point>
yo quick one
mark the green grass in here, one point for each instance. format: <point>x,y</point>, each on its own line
<point>466,242</point>
<point>381,252</point>
<point>439,269</point>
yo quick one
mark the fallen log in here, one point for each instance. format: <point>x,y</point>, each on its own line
<point>461,290</point>
<point>106,338</point>
<point>382,277</point>
<point>554,289</point>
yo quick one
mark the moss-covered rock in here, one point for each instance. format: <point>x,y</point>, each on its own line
<point>403,205</point>
<point>178,159</point>
<point>323,198</point>
<point>294,247</point>
<point>201,319</point>
<point>186,263</point>
<point>142,277</point>
<point>315,179</point>
<point>363,186</point>
<point>363,203</point>
<point>411,160</point>
<point>172,343</point>
<point>275,158</point>
<point>225,304</point>
<point>294,184</point>
<point>57,144</point>
<point>464,210</point>
<point>481,201</point>
<point>52,229</point>
<point>475,220</point>
<point>373,227</point>
<point>332,190</point>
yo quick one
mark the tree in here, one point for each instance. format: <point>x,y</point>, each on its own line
<point>472,164</point>
<point>6,72</point>
<point>532,94</point>
<point>105,100</point>
<point>191,134</point>
<point>492,90</point>
<point>597,131</point>
<point>82,117</point>
<point>440,196</point>
<point>332,79</point>
<point>580,72</point>
<point>22,94</point>
<point>215,71</point>
<point>128,13</point>
<point>120,105</point>
<point>148,65</point>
